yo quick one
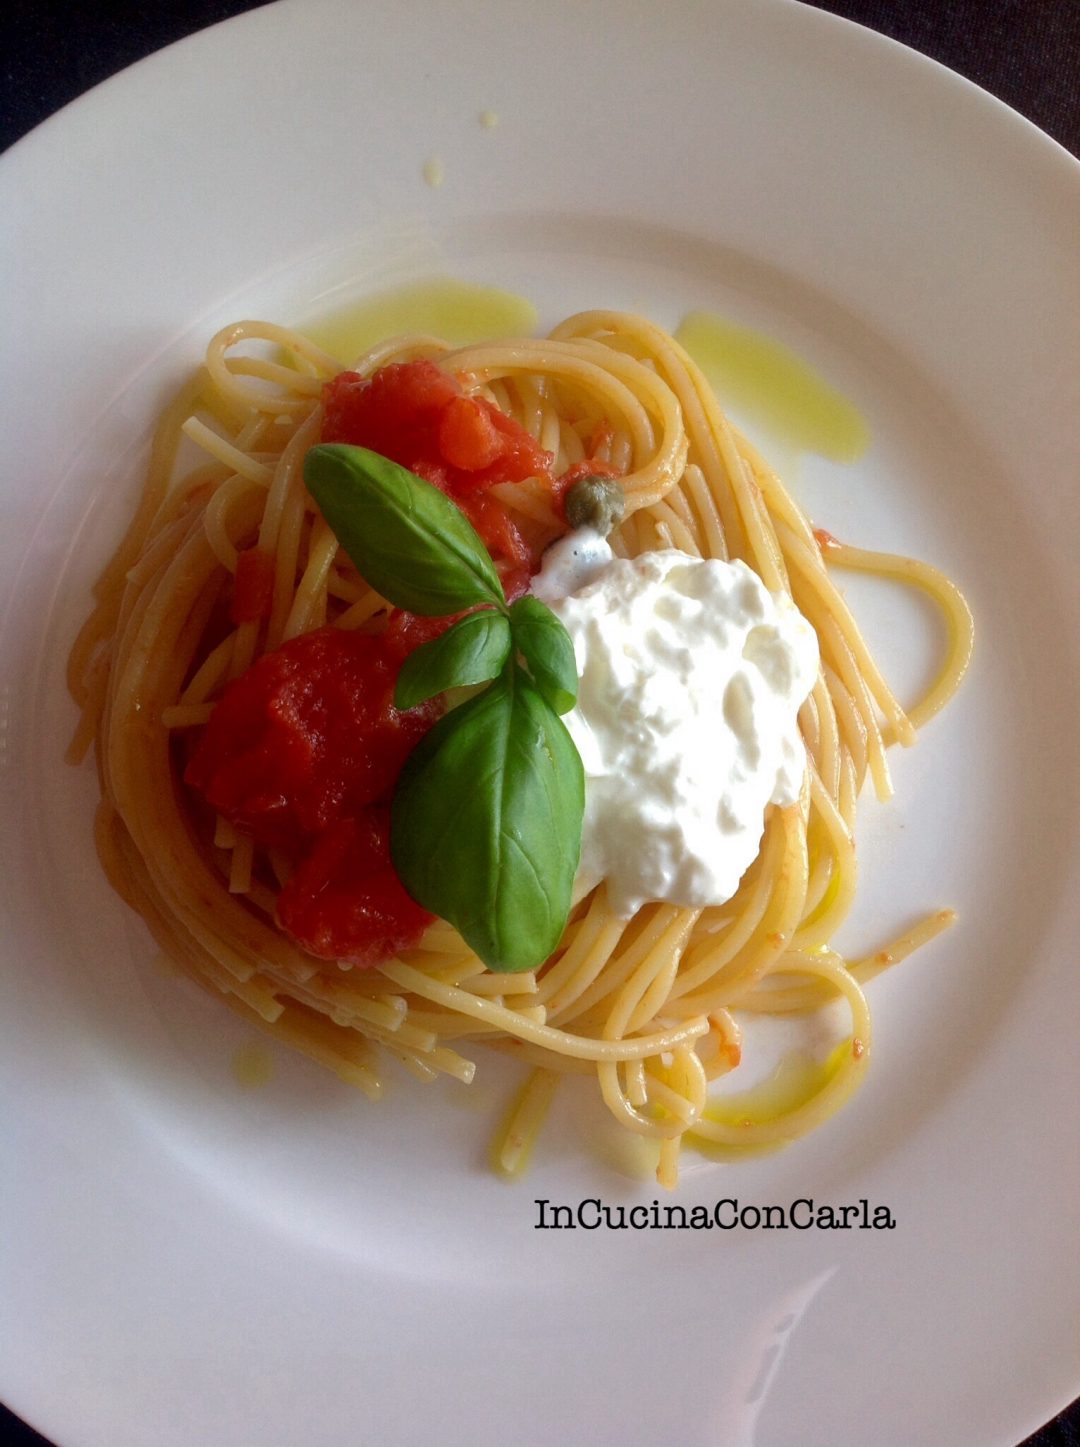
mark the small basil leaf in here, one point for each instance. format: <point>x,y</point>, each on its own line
<point>548,651</point>
<point>406,538</point>
<point>472,650</point>
<point>486,823</point>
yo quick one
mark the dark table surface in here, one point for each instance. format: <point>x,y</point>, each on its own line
<point>1026,52</point>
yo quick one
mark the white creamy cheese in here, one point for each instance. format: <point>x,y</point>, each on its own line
<point>576,559</point>
<point>691,677</point>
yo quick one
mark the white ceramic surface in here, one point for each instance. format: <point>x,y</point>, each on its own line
<point>184,1261</point>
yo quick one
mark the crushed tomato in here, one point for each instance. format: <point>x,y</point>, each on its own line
<point>303,752</point>
<point>344,901</point>
<point>419,416</point>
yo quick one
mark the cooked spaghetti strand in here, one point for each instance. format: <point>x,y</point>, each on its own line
<point>642,1006</point>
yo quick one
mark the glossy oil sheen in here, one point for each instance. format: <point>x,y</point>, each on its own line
<point>797,1078</point>
<point>772,386</point>
<point>458,312</point>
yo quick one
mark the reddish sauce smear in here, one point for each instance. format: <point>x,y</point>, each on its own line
<point>253,586</point>
<point>304,749</point>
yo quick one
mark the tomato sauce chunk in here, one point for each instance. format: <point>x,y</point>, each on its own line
<point>303,752</point>
<point>395,412</point>
<point>417,415</point>
<point>307,736</point>
<point>468,438</point>
<point>345,900</point>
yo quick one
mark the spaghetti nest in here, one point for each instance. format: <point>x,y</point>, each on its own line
<point>643,1005</point>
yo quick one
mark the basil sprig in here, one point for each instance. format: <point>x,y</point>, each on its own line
<point>485,827</point>
<point>486,822</point>
<point>472,650</point>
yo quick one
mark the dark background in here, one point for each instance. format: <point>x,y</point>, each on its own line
<point>1026,52</point>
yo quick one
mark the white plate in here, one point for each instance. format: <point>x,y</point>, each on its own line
<point>184,1261</point>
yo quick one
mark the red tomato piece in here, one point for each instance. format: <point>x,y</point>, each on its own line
<point>519,456</point>
<point>516,582</point>
<point>394,412</point>
<point>435,473</point>
<point>345,901</point>
<point>522,456</point>
<point>494,524</point>
<point>307,736</point>
<point>418,415</point>
<point>468,438</point>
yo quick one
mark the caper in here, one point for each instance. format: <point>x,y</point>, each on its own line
<point>595,502</point>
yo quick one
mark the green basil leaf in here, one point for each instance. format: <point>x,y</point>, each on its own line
<point>472,650</point>
<point>406,538</point>
<point>486,822</point>
<point>547,649</point>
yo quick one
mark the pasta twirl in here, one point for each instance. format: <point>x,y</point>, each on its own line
<point>644,1005</point>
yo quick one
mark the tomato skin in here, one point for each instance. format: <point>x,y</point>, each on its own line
<point>498,530</point>
<point>345,901</point>
<point>521,457</point>
<point>468,438</point>
<point>307,736</point>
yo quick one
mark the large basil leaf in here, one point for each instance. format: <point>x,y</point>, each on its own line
<point>548,651</point>
<point>410,542</point>
<point>486,822</point>
<point>472,650</point>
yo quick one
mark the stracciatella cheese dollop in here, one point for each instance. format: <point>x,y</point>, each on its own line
<point>691,678</point>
